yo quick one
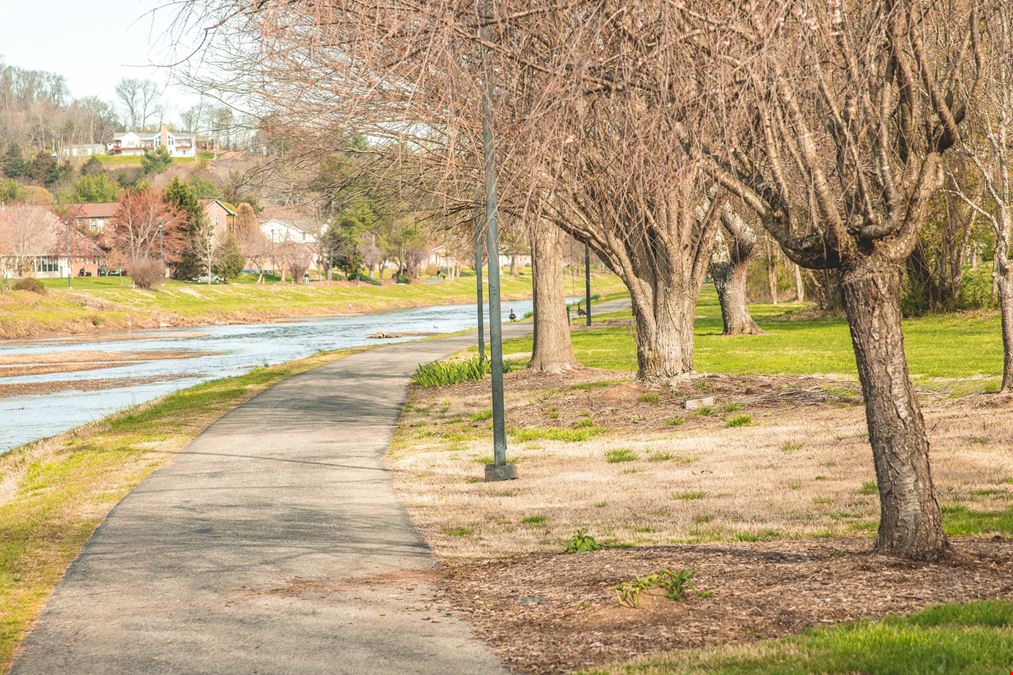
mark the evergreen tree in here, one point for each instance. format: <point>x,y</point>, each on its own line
<point>93,167</point>
<point>95,188</point>
<point>13,164</point>
<point>230,261</point>
<point>155,161</point>
<point>182,196</point>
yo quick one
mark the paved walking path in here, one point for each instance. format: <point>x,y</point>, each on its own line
<point>273,543</point>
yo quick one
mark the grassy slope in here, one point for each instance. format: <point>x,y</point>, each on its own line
<point>940,346</point>
<point>972,638</point>
<point>112,303</point>
<point>54,493</point>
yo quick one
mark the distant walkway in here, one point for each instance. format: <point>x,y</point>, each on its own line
<point>273,543</point>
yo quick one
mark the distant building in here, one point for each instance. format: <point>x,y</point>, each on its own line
<point>221,215</point>
<point>136,143</point>
<point>286,226</point>
<point>34,242</point>
<point>92,217</point>
<point>84,150</point>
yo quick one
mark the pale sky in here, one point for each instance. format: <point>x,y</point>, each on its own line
<point>93,44</point>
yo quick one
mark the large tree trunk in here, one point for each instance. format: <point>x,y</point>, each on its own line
<point>1003,277</point>
<point>799,284</point>
<point>729,269</point>
<point>910,523</point>
<point>552,351</point>
<point>664,334</point>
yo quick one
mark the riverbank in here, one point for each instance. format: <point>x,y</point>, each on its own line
<point>55,492</point>
<point>103,305</point>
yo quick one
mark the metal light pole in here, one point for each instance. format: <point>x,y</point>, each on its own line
<point>478,284</point>
<point>500,470</point>
<point>587,282</point>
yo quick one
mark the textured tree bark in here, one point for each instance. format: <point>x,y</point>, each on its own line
<point>665,335</point>
<point>910,521</point>
<point>1003,276</point>
<point>772,271</point>
<point>553,350</point>
<point>799,284</point>
<point>729,268</point>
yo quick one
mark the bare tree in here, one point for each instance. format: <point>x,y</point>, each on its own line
<point>297,258</point>
<point>140,101</point>
<point>145,227</point>
<point>736,247</point>
<point>26,232</point>
<point>853,106</point>
<point>989,150</point>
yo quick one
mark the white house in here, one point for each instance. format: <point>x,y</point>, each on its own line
<point>135,143</point>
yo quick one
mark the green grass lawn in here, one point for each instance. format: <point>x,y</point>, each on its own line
<point>130,160</point>
<point>976,637</point>
<point>56,492</point>
<point>960,345</point>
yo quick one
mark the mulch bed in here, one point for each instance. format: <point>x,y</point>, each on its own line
<point>557,613</point>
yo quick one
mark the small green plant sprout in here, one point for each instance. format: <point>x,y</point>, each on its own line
<point>482,415</point>
<point>739,421</point>
<point>459,531</point>
<point>869,488</point>
<point>584,423</point>
<point>704,411</point>
<point>650,398</point>
<point>659,456</point>
<point>582,542</point>
<point>732,407</point>
<point>620,455</point>
<point>533,520</point>
<point>674,584</point>
<point>792,446</point>
<point>676,421</point>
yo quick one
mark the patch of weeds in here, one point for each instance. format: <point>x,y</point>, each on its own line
<point>987,492</point>
<point>482,415</point>
<point>582,542</point>
<point>534,520</point>
<point>675,585</point>
<point>620,455</point>
<point>634,469</point>
<point>792,446</point>
<point>820,477</point>
<point>556,434</point>
<point>704,411</point>
<point>643,529</point>
<point>585,423</point>
<point>458,531</point>
<point>676,421</point>
<point>653,399</point>
<point>702,519</point>
<point>795,485</point>
<point>659,456</point>
<point>960,520</point>
<point>763,535</point>
<point>732,407</point>
<point>869,487</point>
<point>600,505</point>
<point>739,421</point>
<point>689,495</point>
<point>552,414</point>
<point>978,440</point>
<point>822,500</point>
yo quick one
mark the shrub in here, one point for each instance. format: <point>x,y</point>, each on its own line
<point>147,274</point>
<point>30,284</point>
<point>739,421</point>
<point>582,542</point>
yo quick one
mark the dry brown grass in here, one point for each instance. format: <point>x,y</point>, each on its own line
<point>801,468</point>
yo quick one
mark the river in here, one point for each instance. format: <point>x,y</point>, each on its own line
<point>223,351</point>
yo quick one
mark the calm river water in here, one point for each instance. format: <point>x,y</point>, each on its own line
<point>233,350</point>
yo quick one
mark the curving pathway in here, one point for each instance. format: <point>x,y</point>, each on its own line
<point>274,543</point>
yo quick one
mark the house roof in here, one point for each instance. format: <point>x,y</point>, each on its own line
<point>45,233</point>
<point>100,210</point>
<point>300,217</point>
<point>207,202</point>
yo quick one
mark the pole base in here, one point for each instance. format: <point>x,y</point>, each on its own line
<point>495,472</point>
